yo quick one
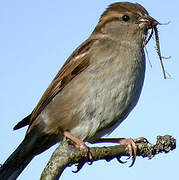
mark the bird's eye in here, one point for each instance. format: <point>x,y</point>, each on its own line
<point>125,18</point>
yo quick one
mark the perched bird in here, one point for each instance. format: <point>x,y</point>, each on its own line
<point>94,91</point>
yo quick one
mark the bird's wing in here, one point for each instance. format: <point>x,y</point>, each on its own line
<point>75,64</point>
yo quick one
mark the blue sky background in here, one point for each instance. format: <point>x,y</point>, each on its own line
<point>37,36</point>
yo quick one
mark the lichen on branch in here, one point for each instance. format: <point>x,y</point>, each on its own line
<point>66,155</point>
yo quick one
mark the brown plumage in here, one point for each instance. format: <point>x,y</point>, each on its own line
<point>94,91</point>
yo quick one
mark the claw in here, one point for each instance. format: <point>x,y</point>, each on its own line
<point>133,161</point>
<point>132,147</point>
<point>88,158</point>
<point>141,139</point>
<point>130,143</point>
<point>79,144</point>
<point>79,166</point>
<point>90,163</point>
<point>120,161</point>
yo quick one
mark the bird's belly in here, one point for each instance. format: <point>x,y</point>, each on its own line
<point>95,103</point>
<point>109,104</point>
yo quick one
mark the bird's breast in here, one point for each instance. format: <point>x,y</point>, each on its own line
<point>98,99</point>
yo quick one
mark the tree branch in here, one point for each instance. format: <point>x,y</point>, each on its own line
<point>66,155</point>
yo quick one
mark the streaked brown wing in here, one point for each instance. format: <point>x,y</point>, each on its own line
<point>74,65</point>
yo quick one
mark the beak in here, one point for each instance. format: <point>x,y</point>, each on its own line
<point>147,22</point>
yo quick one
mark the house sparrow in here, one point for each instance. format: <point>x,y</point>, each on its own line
<point>94,91</point>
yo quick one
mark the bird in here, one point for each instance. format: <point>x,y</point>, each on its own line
<point>94,91</point>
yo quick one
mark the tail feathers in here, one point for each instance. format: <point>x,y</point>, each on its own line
<point>18,160</point>
<point>34,143</point>
<point>23,122</point>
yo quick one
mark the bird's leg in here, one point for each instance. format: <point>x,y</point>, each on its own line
<point>130,143</point>
<point>79,144</point>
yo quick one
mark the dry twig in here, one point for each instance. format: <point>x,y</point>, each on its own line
<point>66,155</point>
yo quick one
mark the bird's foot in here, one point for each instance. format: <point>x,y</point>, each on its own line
<point>130,143</point>
<point>79,144</point>
<point>86,159</point>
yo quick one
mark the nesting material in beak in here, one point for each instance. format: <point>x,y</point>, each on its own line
<point>150,23</point>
